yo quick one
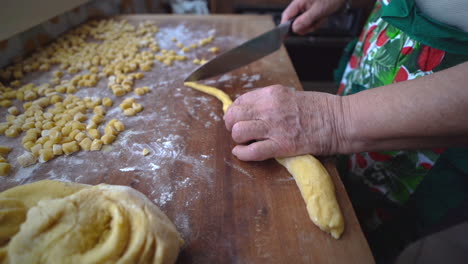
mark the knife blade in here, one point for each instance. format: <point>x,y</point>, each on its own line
<point>244,54</point>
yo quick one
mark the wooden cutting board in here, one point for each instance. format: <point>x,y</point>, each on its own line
<point>227,211</point>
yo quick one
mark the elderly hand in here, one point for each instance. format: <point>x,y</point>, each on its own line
<point>284,122</point>
<point>312,13</point>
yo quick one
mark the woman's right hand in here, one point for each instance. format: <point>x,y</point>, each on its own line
<point>311,13</point>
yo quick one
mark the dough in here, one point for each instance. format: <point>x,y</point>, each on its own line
<point>75,223</point>
<point>312,178</point>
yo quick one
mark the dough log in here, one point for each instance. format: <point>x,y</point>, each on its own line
<point>312,178</point>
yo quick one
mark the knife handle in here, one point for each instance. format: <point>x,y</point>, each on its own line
<point>286,28</point>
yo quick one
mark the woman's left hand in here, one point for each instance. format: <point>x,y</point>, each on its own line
<point>276,121</point>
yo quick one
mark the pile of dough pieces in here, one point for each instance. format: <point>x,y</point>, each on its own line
<point>59,222</point>
<point>56,122</point>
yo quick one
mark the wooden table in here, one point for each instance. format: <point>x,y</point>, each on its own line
<point>228,211</point>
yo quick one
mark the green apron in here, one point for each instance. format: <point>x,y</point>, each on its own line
<point>418,187</point>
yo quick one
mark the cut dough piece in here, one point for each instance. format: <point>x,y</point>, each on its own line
<point>312,178</point>
<point>84,224</point>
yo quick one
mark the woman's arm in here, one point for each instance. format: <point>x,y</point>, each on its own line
<point>431,111</point>
<point>427,112</point>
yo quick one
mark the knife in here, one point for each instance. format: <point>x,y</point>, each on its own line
<point>244,54</point>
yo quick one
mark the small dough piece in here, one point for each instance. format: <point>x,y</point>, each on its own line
<point>107,102</point>
<point>85,144</point>
<point>70,147</point>
<point>137,107</point>
<point>46,154</point>
<point>145,152</point>
<point>108,138</point>
<point>90,224</point>
<point>57,149</point>
<point>4,149</point>
<point>4,168</point>
<point>94,133</point>
<point>96,145</point>
<point>26,159</point>
<point>127,103</point>
<point>13,110</point>
<point>128,112</point>
<point>312,178</point>
<point>119,126</point>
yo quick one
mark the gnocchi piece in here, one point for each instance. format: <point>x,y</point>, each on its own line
<point>107,139</point>
<point>36,149</point>
<point>106,101</point>
<point>97,119</point>
<point>4,149</point>
<point>70,147</point>
<point>119,126</point>
<point>137,107</point>
<point>26,159</point>
<point>57,149</point>
<point>214,49</point>
<point>94,133</point>
<point>127,103</point>
<point>85,144</point>
<point>45,155</point>
<point>13,110</point>
<point>129,112</point>
<point>4,168</point>
<point>80,136</point>
<point>145,152</point>
<point>12,132</point>
<point>5,103</point>
<point>96,145</point>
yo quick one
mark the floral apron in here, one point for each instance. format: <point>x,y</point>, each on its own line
<point>397,44</point>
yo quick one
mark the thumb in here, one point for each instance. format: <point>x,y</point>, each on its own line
<point>256,151</point>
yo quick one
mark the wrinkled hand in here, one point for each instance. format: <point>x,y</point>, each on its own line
<point>312,13</point>
<point>284,122</point>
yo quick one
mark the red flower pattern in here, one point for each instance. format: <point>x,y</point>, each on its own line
<point>379,156</point>
<point>406,50</point>
<point>426,165</point>
<point>370,34</point>
<point>341,89</point>
<point>402,75</point>
<point>382,38</point>
<point>353,61</point>
<point>361,161</point>
<point>430,58</point>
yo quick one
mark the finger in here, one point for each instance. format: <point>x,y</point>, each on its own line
<point>306,20</point>
<point>245,131</point>
<point>316,25</point>
<point>290,11</point>
<point>260,150</point>
<point>237,113</point>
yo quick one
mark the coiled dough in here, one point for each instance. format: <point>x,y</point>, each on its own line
<point>88,224</point>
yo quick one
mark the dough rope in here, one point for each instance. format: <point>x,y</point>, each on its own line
<point>75,223</point>
<point>311,177</point>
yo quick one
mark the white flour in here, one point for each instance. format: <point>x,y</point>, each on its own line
<point>171,114</point>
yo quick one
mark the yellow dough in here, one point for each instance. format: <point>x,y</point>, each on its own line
<point>75,223</point>
<point>312,178</point>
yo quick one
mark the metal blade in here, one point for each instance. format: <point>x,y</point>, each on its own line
<point>244,54</point>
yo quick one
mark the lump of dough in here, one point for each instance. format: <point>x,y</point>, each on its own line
<point>94,224</point>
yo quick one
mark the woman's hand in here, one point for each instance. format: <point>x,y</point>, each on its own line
<point>279,121</point>
<point>312,13</point>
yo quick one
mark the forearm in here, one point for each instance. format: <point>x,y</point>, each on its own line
<point>431,111</point>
